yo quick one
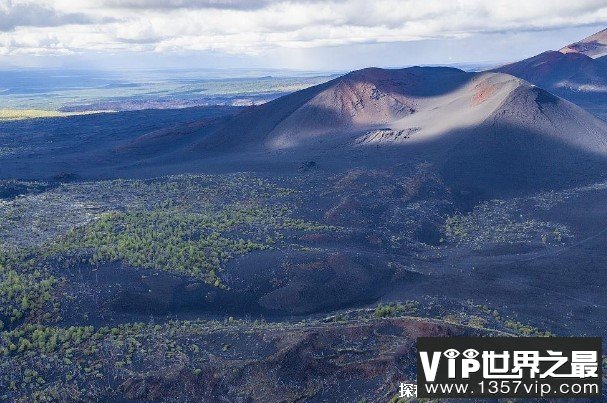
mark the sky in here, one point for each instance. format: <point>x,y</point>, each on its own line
<point>297,34</point>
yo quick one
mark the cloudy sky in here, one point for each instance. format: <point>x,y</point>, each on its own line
<point>297,34</point>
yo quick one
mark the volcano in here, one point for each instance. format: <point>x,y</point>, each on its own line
<point>406,106</point>
<point>487,130</point>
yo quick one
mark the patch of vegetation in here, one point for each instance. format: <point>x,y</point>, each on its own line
<point>496,319</point>
<point>186,224</point>
<point>526,330</point>
<point>35,219</point>
<point>24,286</point>
<point>396,309</point>
<point>195,244</point>
<point>189,237</point>
<point>500,222</point>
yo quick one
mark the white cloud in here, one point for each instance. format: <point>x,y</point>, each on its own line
<point>17,13</point>
<point>191,4</point>
<point>256,26</point>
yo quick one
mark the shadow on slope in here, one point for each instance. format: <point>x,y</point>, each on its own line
<point>84,145</point>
